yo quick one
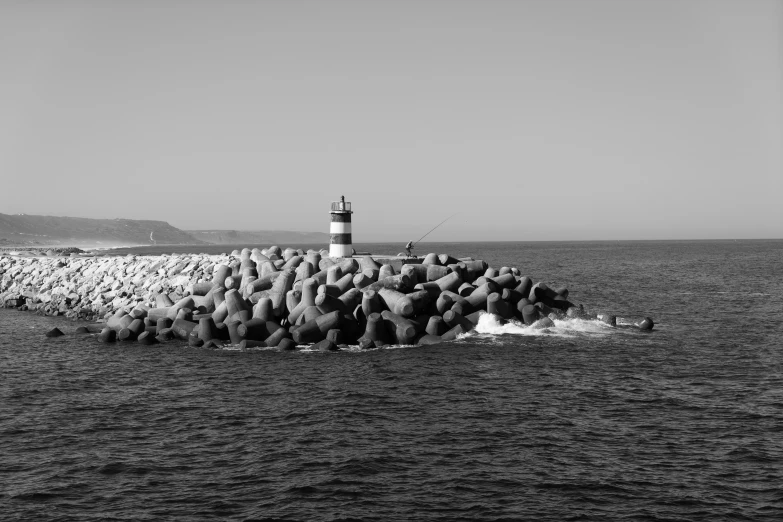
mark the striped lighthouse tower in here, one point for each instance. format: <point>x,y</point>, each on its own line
<point>340,229</point>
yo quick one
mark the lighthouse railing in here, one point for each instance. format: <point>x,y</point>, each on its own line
<point>341,206</point>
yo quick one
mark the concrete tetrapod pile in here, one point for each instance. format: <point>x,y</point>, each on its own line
<point>284,298</point>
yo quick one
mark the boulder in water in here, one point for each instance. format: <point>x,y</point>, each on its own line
<point>54,332</point>
<point>646,325</point>
<point>286,345</point>
<point>325,346</point>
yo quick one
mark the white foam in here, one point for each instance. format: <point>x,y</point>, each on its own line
<point>586,326</point>
<point>490,325</point>
<point>465,335</point>
<point>231,348</point>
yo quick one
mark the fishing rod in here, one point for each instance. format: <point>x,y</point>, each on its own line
<point>436,226</point>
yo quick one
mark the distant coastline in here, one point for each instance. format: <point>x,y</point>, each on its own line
<point>37,232</point>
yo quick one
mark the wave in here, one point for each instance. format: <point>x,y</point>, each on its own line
<point>492,325</point>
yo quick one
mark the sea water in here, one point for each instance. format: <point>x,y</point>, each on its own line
<point>577,421</point>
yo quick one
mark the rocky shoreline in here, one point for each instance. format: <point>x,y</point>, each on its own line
<point>91,287</point>
<point>282,298</point>
<point>40,251</point>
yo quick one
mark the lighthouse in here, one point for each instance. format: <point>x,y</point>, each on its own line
<point>340,229</point>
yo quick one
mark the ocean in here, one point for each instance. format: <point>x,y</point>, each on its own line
<point>580,422</point>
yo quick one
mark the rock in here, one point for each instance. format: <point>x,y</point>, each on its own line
<point>325,346</point>
<point>147,338</point>
<point>54,332</point>
<point>286,345</point>
<point>646,325</point>
<point>545,322</point>
<point>284,286</point>
<point>429,339</point>
<point>166,334</point>
<point>609,319</point>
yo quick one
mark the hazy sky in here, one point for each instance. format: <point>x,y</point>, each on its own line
<point>534,120</point>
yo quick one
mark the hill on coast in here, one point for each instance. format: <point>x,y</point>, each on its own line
<point>31,230</point>
<point>37,231</point>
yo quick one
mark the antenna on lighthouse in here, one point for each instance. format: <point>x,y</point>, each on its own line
<point>340,229</point>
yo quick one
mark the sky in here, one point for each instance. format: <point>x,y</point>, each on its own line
<point>531,120</point>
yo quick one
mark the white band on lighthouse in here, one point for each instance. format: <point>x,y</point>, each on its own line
<point>339,228</point>
<point>340,250</point>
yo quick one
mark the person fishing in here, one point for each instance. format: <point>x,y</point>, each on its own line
<point>410,244</point>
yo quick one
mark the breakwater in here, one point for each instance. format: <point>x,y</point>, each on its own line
<point>283,298</point>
